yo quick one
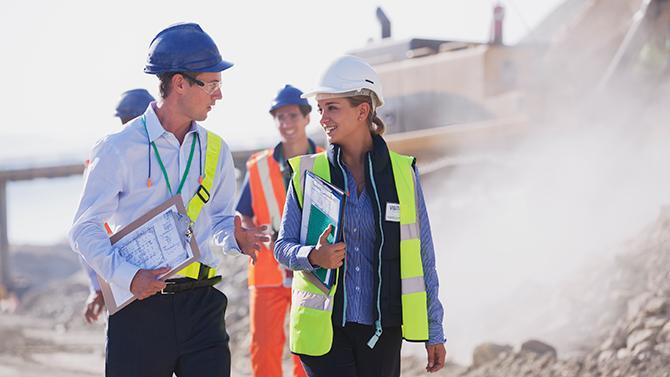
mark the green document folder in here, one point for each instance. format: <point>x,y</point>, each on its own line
<point>318,221</point>
<point>323,206</point>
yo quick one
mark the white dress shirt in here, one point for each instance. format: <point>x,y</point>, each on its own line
<point>93,286</point>
<point>116,192</point>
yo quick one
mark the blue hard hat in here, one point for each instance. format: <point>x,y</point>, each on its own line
<point>133,103</point>
<point>184,47</point>
<point>289,95</point>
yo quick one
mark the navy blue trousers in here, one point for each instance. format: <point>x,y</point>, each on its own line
<point>182,333</point>
<point>350,355</point>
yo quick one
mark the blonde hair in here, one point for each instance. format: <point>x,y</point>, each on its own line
<point>375,124</point>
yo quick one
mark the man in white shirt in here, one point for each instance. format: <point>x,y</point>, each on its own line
<point>132,104</point>
<point>176,326</point>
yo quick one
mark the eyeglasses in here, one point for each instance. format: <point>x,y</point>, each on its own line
<point>209,88</point>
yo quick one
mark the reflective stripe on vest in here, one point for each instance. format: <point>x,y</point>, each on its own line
<point>311,329</point>
<point>316,163</point>
<point>413,287</point>
<point>268,194</point>
<point>201,197</point>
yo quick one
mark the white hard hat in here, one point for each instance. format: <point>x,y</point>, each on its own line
<point>349,76</point>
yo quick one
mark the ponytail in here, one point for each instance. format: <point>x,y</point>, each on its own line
<point>377,126</point>
<point>375,123</point>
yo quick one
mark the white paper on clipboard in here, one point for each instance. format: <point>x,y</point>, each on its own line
<point>161,237</point>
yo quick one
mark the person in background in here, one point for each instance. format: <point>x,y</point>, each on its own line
<point>261,203</point>
<point>386,287</point>
<point>175,325</point>
<point>132,104</point>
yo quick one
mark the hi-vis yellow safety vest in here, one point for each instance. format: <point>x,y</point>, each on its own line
<point>311,331</point>
<point>201,198</point>
<point>268,194</point>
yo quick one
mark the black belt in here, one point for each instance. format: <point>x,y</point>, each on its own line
<point>185,284</point>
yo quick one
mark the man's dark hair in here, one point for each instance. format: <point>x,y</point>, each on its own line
<point>166,81</point>
<point>305,110</point>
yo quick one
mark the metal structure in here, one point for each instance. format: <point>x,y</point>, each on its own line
<point>25,174</point>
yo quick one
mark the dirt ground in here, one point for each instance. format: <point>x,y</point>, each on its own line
<point>45,335</point>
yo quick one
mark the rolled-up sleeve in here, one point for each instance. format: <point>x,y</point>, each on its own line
<point>244,201</point>
<point>288,249</point>
<point>103,183</point>
<point>435,309</point>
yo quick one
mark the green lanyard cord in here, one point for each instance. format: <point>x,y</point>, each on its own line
<point>188,165</point>
<point>160,162</point>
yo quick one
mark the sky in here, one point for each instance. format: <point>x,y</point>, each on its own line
<point>67,62</point>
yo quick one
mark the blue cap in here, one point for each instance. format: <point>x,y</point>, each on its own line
<point>133,103</point>
<point>184,47</point>
<point>289,95</point>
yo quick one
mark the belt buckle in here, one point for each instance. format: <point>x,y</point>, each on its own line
<point>167,284</point>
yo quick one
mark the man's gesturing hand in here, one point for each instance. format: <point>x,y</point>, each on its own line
<point>249,239</point>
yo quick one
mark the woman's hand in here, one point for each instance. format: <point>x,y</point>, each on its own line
<point>436,357</point>
<point>326,255</point>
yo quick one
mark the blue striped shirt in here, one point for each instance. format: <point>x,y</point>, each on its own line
<point>360,233</point>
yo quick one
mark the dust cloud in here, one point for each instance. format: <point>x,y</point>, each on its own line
<point>519,229</point>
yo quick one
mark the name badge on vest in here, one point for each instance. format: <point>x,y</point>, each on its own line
<point>393,212</point>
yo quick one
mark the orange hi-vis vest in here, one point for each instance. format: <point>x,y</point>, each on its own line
<point>268,194</point>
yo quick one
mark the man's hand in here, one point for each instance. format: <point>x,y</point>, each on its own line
<point>326,255</point>
<point>436,357</point>
<point>249,239</point>
<point>146,283</point>
<point>95,303</point>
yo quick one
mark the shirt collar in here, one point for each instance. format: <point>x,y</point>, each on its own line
<point>380,153</point>
<point>278,152</point>
<point>154,127</point>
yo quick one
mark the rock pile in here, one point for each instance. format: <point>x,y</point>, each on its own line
<point>626,332</point>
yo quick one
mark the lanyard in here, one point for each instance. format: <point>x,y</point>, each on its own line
<point>160,161</point>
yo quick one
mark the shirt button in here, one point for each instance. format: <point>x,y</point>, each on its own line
<point>356,248</point>
<point>358,288</point>
<point>358,268</point>
<point>355,230</point>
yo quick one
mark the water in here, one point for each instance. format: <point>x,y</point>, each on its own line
<point>40,211</point>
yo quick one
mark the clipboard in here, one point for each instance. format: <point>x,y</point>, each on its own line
<point>152,229</point>
<point>323,205</point>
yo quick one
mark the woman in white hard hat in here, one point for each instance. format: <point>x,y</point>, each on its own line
<point>386,288</point>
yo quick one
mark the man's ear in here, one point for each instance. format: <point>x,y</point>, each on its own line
<point>178,83</point>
